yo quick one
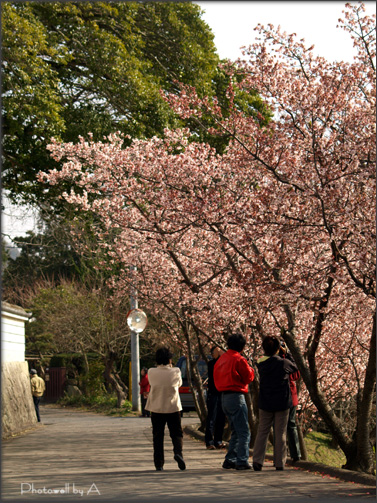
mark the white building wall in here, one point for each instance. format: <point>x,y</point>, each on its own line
<point>12,335</point>
<point>17,407</point>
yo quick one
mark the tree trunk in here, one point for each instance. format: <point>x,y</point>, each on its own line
<point>364,460</point>
<point>121,383</point>
<point>301,439</point>
<point>309,375</point>
<point>112,380</point>
<point>193,374</point>
<point>200,402</point>
<point>86,367</point>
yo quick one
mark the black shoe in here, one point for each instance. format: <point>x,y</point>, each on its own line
<point>159,468</point>
<point>220,446</point>
<point>257,467</point>
<point>228,465</point>
<point>294,460</point>
<point>180,461</point>
<point>243,467</point>
<point>280,468</point>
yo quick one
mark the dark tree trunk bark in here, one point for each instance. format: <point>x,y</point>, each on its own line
<point>112,380</point>
<point>364,460</point>
<point>358,455</point>
<point>301,439</point>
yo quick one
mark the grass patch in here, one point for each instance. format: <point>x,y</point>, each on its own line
<point>320,450</point>
<point>103,403</point>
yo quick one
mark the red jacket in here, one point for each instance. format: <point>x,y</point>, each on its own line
<point>232,372</point>
<point>144,384</point>
<point>292,385</point>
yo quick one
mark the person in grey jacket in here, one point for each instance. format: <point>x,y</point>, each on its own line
<point>165,406</point>
<point>274,402</point>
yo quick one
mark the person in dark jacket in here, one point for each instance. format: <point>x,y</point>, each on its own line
<point>232,375</point>
<point>215,416</point>
<point>274,402</point>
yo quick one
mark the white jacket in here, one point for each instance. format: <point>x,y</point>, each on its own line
<point>164,396</point>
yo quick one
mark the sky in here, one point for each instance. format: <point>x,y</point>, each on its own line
<point>233,23</point>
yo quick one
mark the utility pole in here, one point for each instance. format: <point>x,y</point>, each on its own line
<point>135,353</point>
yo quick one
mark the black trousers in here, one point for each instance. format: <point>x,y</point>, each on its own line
<point>173,420</point>
<point>143,404</point>
<point>215,420</point>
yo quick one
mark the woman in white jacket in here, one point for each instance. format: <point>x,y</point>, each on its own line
<point>165,406</point>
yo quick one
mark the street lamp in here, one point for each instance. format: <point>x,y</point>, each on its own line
<point>137,321</point>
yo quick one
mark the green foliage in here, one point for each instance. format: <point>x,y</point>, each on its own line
<point>94,395</point>
<point>75,360</point>
<point>92,383</point>
<point>74,68</point>
<point>39,343</point>
<point>41,256</point>
<point>66,315</point>
<point>55,254</point>
<point>102,402</point>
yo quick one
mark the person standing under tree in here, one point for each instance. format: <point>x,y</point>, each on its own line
<point>215,417</point>
<point>165,406</point>
<point>274,402</point>
<point>144,391</point>
<point>37,389</point>
<point>232,376</point>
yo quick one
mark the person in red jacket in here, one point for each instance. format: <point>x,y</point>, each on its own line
<point>232,375</point>
<point>144,391</point>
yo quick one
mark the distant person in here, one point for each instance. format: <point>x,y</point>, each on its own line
<point>165,406</point>
<point>274,402</point>
<point>144,391</point>
<point>215,416</point>
<point>232,375</point>
<point>37,389</point>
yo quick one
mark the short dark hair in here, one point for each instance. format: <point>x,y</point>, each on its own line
<point>270,345</point>
<point>163,356</point>
<point>213,349</point>
<point>236,342</point>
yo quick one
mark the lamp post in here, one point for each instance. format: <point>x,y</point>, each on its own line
<point>137,321</point>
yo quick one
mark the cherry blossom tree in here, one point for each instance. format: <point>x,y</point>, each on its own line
<point>274,236</point>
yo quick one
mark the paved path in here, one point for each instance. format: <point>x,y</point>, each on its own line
<point>76,456</point>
